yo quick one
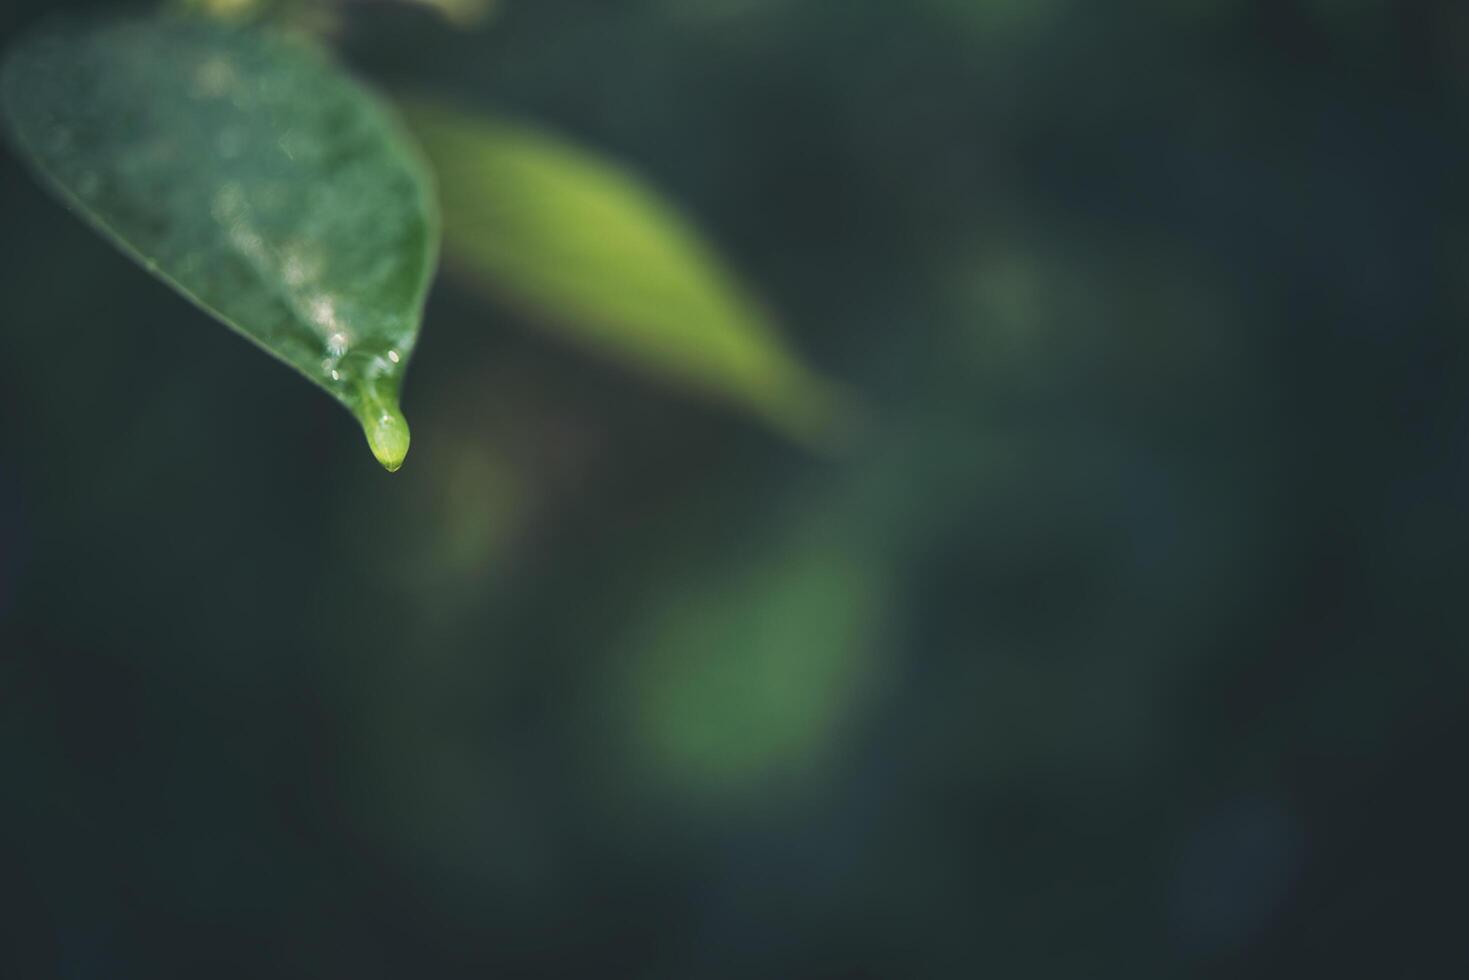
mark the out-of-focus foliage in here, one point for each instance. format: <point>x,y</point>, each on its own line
<point>463,13</point>
<point>251,175</point>
<point>595,254</point>
<point>742,681</point>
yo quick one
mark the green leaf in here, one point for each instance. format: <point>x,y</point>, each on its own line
<point>602,259</point>
<point>252,175</point>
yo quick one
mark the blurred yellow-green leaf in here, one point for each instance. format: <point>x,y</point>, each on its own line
<point>595,254</point>
<point>463,13</point>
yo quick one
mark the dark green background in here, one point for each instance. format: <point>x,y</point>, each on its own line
<point>1128,640</point>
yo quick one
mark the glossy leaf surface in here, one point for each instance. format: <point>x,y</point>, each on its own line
<point>251,174</point>
<point>597,255</point>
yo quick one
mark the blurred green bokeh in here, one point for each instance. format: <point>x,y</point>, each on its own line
<point>1123,638</point>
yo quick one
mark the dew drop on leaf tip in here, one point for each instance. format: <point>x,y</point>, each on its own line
<point>387,436</point>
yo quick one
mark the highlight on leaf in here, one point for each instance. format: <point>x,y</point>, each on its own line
<point>596,255</point>
<point>253,176</point>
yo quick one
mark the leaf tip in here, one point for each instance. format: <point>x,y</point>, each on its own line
<point>387,436</point>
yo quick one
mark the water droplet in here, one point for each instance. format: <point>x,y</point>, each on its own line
<point>322,310</point>
<point>393,356</point>
<point>387,436</point>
